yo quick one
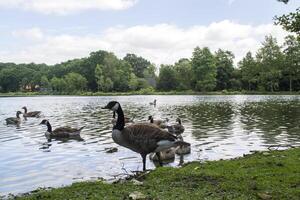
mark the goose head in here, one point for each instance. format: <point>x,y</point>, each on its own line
<point>19,112</point>
<point>44,122</point>
<point>112,105</point>
<point>150,117</point>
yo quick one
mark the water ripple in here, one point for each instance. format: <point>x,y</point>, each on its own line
<point>218,127</point>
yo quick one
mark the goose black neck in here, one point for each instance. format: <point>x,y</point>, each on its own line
<point>120,120</point>
<point>179,121</point>
<point>151,120</point>
<point>18,115</point>
<point>25,110</point>
<point>49,127</point>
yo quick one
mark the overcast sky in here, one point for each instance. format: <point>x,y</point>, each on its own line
<point>163,31</point>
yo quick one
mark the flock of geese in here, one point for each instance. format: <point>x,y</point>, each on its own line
<point>158,138</point>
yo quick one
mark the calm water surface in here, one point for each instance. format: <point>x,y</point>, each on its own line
<point>218,127</point>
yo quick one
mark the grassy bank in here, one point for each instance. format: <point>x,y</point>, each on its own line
<point>147,92</point>
<point>266,175</point>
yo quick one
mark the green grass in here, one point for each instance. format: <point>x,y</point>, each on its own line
<point>272,175</point>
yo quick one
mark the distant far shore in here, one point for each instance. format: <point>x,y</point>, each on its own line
<point>145,92</point>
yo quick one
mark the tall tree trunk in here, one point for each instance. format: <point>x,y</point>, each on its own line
<point>271,86</point>
<point>249,85</point>
<point>291,82</point>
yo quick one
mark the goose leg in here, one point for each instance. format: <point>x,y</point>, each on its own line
<point>144,161</point>
<point>158,157</point>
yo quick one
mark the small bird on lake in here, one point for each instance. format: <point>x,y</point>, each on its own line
<point>61,132</point>
<point>143,138</point>
<point>31,114</point>
<point>153,103</point>
<point>14,120</point>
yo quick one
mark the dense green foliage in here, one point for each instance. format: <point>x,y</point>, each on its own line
<point>291,21</point>
<point>267,175</point>
<point>273,68</point>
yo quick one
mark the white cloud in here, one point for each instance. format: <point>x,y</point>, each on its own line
<point>63,7</point>
<point>161,44</point>
<point>31,34</point>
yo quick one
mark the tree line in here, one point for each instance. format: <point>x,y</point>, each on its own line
<point>272,68</point>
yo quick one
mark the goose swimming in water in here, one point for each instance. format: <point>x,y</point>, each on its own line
<point>142,138</point>
<point>158,122</point>
<point>153,103</point>
<point>61,132</point>
<point>14,120</point>
<point>176,129</point>
<point>31,114</point>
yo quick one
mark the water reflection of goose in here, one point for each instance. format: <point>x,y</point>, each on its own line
<point>143,138</point>
<point>31,114</point>
<point>14,120</point>
<point>61,132</point>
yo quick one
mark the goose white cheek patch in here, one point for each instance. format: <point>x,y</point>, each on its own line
<point>115,107</point>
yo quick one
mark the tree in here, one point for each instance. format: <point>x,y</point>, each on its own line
<point>45,82</point>
<point>58,84</point>
<point>99,77</point>
<point>167,78</point>
<point>75,82</point>
<point>138,64</point>
<point>249,71</point>
<point>292,59</point>
<point>204,69</point>
<point>9,80</point>
<point>183,69</point>
<point>224,63</point>
<point>291,21</point>
<point>270,60</point>
<point>284,1</point>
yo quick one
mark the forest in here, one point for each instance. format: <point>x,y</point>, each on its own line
<point>272,68</point>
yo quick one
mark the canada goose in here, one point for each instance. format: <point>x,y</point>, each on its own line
<point>142,138</point>
<point>153,103</point>
<point>160,123</point>
<point>176,128</point>
<point>183,149</point>
<point>14,120</point>
<point>61,132</point>
<point>31,114</point>
<point>127,119</point>
<point>165,155</point>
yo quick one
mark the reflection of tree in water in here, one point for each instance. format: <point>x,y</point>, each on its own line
<point>211,118</point>
<point>272,118</point>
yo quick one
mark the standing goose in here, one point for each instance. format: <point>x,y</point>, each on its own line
<point>61,132</point>
<point>142,138</point>
<point>127,119</point>
<point>160,123</point>
<point>14,120</point>
<point>176,129</point>
<point>31,114</point>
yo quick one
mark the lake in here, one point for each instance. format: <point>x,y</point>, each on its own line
<point>218,127</point>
